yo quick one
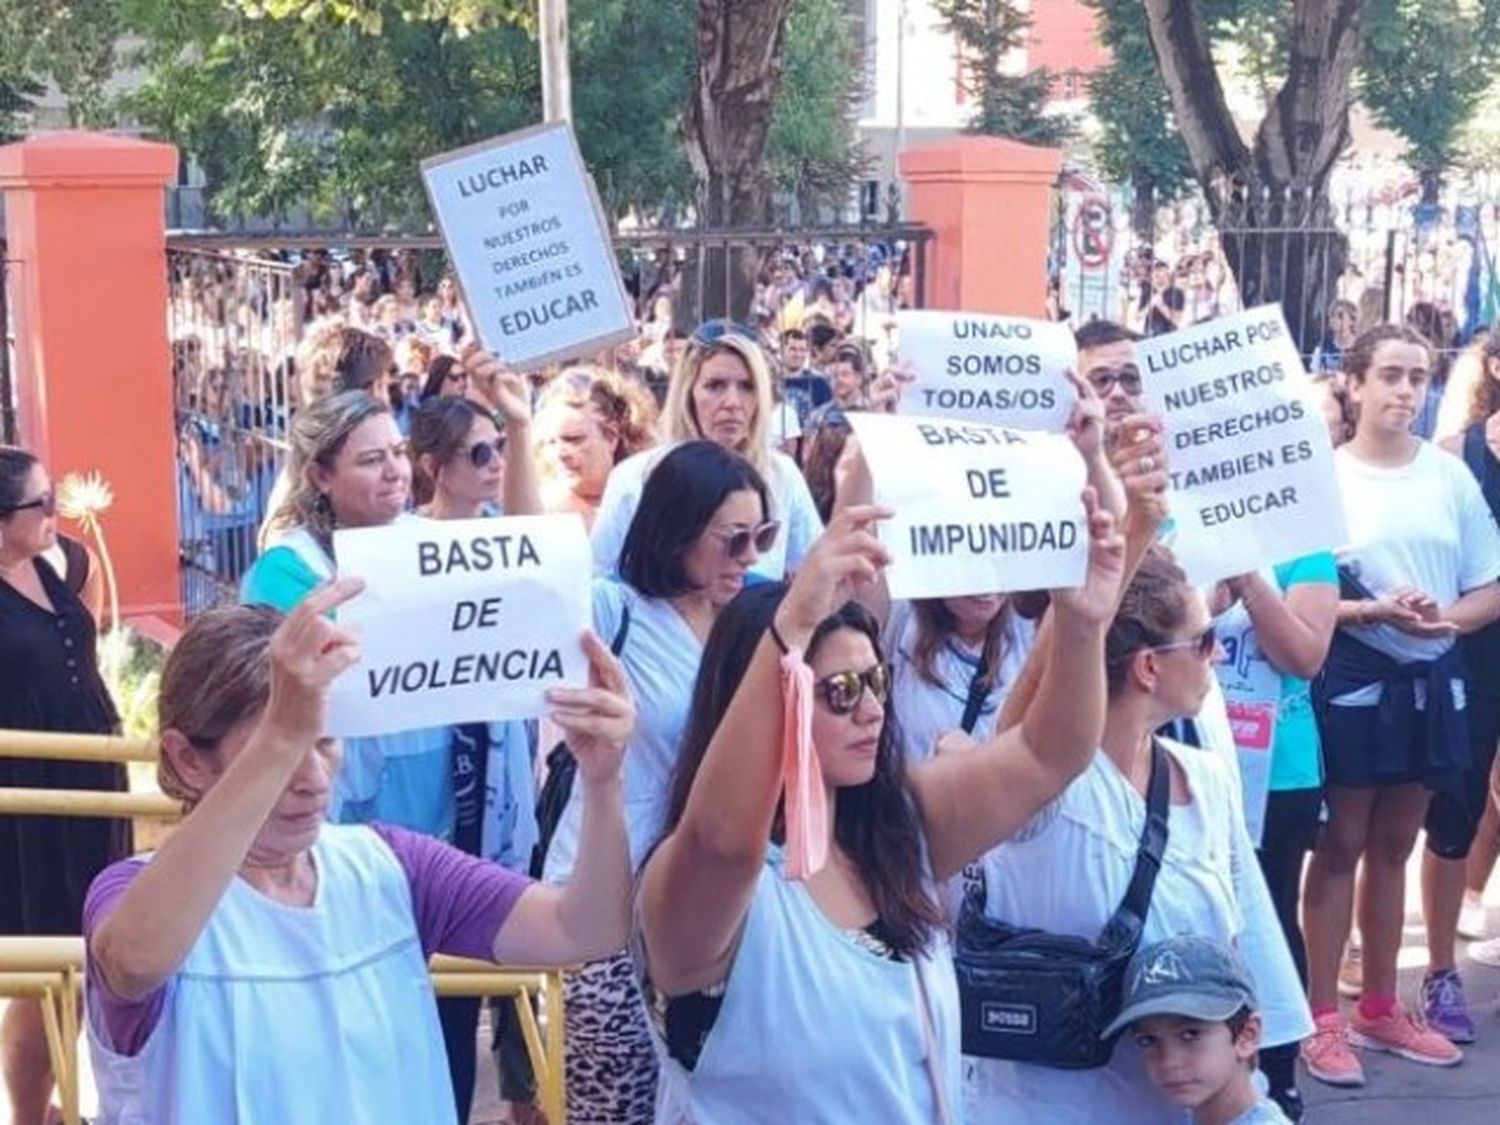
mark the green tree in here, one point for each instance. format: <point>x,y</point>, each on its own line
<point>1427,67</point>
<point>70,44</point>
<point>17,96</point>
<point>1009,105</point>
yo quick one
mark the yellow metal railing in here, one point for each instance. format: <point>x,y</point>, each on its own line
<point>50,969</point>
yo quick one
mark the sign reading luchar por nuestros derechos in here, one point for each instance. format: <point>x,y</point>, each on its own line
<point>461,620</point>
<point>978,509</point>
<point>1249,457</point>
<point>996,370</point>
<point>525,233</point>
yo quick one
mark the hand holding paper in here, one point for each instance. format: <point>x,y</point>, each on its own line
<point>307,653</point>
<point>846,558</point>
<point>597,721</point>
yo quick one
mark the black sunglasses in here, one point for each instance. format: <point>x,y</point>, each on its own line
<point>1104,379</point>
<point>481,453</point>
<point>47,502</point>
<point>712,331</point>
<point>736,543</point>
<point>842,691</point>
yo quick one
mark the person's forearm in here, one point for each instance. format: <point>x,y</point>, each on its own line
<point>1292,644</point>
<point>521,494</point>
<point>595,907</point>
<point>1107,484</point>
<point>1066,719</point>
<point>1019,699</point>
<point>160,916</point>
<point>1476,609</point>
<point>1355,613</point>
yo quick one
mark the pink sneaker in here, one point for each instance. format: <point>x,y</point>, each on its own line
<point>1402,1033</point>
<point>1327,1055</point>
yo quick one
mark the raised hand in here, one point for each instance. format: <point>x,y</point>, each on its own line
<point>596,721</point>
<point>1140,459</point>
<point>886,391</point>
<point>846,558</point>
<point>1096,599</point>
<point>504,388</point>
<point>308,652</point>
<point>1085,424</point>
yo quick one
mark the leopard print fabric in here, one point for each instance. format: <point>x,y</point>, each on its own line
<point>611,1064</point>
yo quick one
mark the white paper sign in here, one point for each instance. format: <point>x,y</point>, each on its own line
<point>1251,466</point>
<point>461,620</point>
<point>979,509</point>
<point>525,233</point>
<point>997,370</point>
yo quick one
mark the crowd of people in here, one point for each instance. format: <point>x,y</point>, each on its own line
<point>993,763</point>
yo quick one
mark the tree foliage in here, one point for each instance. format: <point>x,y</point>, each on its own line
<point>1008,105</point>
<point>70,44</point>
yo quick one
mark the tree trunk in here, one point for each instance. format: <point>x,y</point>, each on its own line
<point>1270,200</point>
<point>727,129</point>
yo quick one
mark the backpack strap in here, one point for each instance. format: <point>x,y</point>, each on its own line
<point>978,692</point>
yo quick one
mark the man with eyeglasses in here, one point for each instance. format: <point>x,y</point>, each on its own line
<point>1106,360</point>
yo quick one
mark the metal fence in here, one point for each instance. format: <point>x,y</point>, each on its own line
<point>232,321</point>
<point>10,427</point>
<point>1370,242</point>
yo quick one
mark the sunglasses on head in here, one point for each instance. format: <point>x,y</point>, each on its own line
<point>1103,379</point>
<point>842,691</point>
<point>46,502</point>
<point>712,331</point>
<point>481,453</point>
<point>1203,643</point>
<point>737,542</point>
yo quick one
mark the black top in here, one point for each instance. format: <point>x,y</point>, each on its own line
<point>1482,649</point>
<point>50,678</point>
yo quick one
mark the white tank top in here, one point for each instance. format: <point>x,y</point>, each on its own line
<point>817,1030</point>
<point>295,1014</point>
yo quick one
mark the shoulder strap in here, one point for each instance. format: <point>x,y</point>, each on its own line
<point>930,1056</point>
<point>617,645</point>
<point>977,693</point>
<point>1124,928</point>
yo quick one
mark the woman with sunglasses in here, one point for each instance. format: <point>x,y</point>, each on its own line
<point>1067,870</point>
<point>720,392</point>
<point>446,378</point>
<point>1419,571</point>
<point>50,682</point>
<point>587,422</point>
<point>797,964</point>
<point>699,529</point>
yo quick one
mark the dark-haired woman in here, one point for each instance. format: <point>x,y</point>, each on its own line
<point>830,997</point>
<point>1067,869</point>
<point>701,525</point>
<point>446,378</point>
<point>49,681</point>
<point>1420,569</point>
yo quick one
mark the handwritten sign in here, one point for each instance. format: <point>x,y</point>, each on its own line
<point>461,620</point>
<point>979,509</point>
<point>525,232</point>
<point>997,370</point>
<point>1250,463</point>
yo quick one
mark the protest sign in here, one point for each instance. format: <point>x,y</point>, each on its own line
<point>461,620</point>
<point>1250,463</point>
<point>528,240</point>
<point>979,509</point>
<point>996,370</point>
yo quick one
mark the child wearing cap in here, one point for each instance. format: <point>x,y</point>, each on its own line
<point>1190,1008</point>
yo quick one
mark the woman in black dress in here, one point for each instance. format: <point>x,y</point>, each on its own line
<point>49,681</point>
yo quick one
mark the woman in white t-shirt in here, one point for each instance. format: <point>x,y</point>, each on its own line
<point>720,392</point>
<point>700,527</point>
<point>1067,871</point>
<point>1420,568</point>
<point>953,661</point>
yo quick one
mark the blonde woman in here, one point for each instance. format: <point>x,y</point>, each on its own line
<point>587,422</point>
<point>720,392</point>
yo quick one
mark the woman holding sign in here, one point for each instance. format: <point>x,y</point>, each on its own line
<point>792,939</point>
<point>1421,569</point>
<point>264,966</point>
<point>720,392</point>
<point>702,524</point>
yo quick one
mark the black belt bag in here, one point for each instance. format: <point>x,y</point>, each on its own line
<point>1036,997</point>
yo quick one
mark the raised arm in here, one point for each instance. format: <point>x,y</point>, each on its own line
<point>588,917</point>
<point>698,884</point>
<point>971,802</point>
<point>521,492</point>
<point>1292,630</point>
<point>148,934</point>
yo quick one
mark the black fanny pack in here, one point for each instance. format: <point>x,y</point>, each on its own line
<point>1035,997</point>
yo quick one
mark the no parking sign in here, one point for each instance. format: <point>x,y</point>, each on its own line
<point>1093,232</point>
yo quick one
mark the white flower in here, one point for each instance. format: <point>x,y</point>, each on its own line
<point>82,496</point>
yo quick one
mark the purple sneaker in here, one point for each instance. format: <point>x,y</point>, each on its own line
<point>1444,1007</point>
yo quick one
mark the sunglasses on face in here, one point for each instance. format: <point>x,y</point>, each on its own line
<point>842,691</point>
<point>712,331</point>
<point>1203,643</point>
<point>1103,379</point>
<point>481,453</point>
<point>46,503</point>
<point>737,542</point>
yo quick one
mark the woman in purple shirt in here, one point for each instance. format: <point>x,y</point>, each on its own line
<point>266,966</point>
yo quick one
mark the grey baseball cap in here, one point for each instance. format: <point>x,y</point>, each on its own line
<point>1190,976</point>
